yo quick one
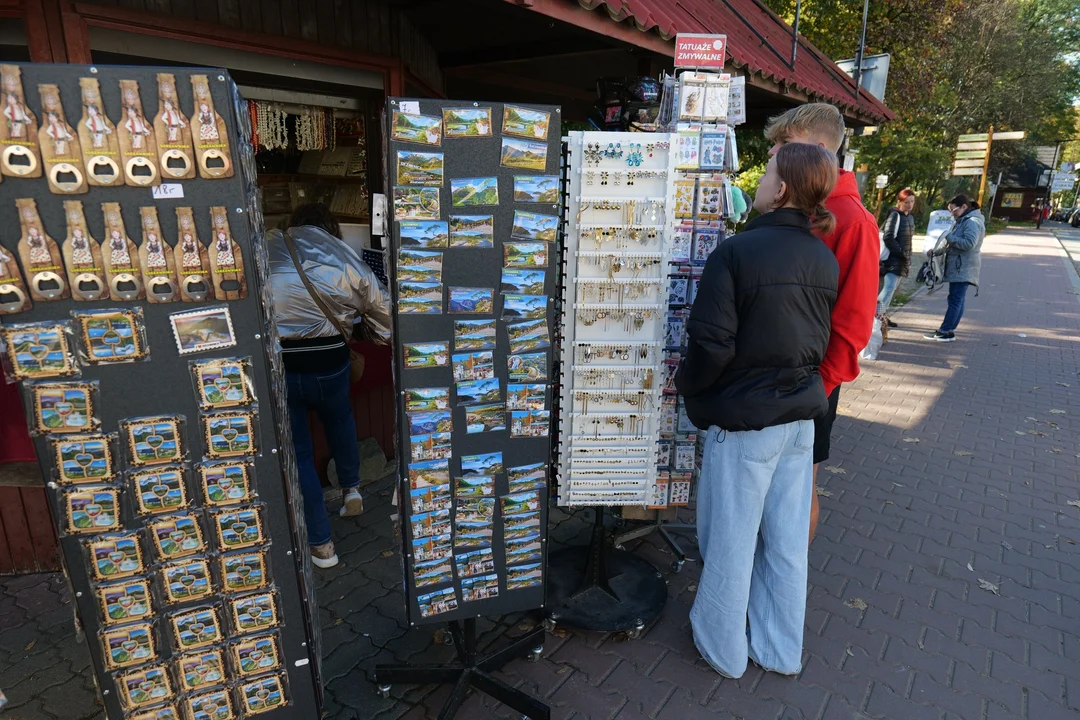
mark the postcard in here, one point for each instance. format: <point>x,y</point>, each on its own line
<point>485,418</point>
<point>524,154</point>
<point>422,234</point>
<point>520,502</point>
<point>473,533</point>
<point>531,367</point>
<point>523,281</point>
<point>529,423</point>
<point>433,572</point>
<point>528,335</point>
<point>423,423</point>
<point>420,298</point>
<point>201,330</point>
<point>527,477</point>
<point>473,366</point>
<point>526,396</point>
<point>434,398</point>
<point>523,551</point>
<point>520,533</point>
<point>433,446</point>
<point>518,255</point>
<point>419,265</point>
<point>474,191</point>
<point>419,168</point>
<point>431,523</point>
<point>536,188</point>
<point>438,603</point>
<point>423,129</point>
<point>422,355</point>
<point>477,562</point>
<point>474,334</point>
<point>472,231</point>
<point>470,392</point>
<point>525,122</point>
<point>524,576</point>
<point>522,520</point>
<point>467,122</point>
<point>534,226</point>
<point>432,548</point>
<point>524,306</point>
<point>416,203</point>
<point>485,464</point>
<point>430,499</point>
<point>479,588</point>
<point>471,300</point>
<point>429,473</point>
<point>474,486</point>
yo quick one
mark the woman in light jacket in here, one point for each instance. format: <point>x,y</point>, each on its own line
<point>963,259</point>
<point>896,233</point>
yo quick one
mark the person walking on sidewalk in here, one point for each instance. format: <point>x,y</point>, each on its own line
<point>758,331</point>
<point>854,242</point>
<point>963,258</point>
<point>896,233</point>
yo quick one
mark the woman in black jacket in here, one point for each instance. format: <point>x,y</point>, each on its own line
<point>896,233</point>
<point>757,333</point>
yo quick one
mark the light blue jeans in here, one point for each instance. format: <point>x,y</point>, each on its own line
<point>889,283</point>
<point>753,522</point>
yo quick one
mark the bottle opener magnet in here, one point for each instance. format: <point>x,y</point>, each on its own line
<point>192,260</point>
<point>119,253</point>
<point>13,295</point>
<point>138,151</point>
<point>212,139</point>
<point>156,259</point>
<point>98,138</point>
<point>82,256</point>
<point>226,261</point>
<point>40,255</point>
<point>173,132</point>
<point>19,129</point>
<point>59,146</point>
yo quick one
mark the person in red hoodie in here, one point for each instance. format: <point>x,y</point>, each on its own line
<point>855,243</point>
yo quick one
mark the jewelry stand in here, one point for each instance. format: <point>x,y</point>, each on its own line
<point>471,671</point>
<point>602,588</point>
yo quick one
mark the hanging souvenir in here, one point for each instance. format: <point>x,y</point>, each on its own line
<point>82,256</point>
<point>226,261</point>
<point>40,255</point>
<point>19,129</point>
<point>173,132</point>
<point>59,145</point>
<point>156,259</point>
<point>98,138</point>
<point>138,151</point>
<point>119,253</point>
<point>212,139</point>
<point>13,295</point>
<point>191,260</point>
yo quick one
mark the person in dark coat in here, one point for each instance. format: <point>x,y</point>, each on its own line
<point>896,233</point>
<point>758,331</point>
<point>963,260</point>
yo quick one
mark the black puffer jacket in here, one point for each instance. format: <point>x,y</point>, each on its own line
<point>759,327</point>
<point>896,233</point>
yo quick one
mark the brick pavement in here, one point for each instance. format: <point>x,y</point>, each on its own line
<point>947,457</point>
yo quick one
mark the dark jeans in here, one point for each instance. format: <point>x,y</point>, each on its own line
<point>328,395</point>
<point>957,296</point>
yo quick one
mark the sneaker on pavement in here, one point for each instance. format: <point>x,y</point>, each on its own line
<point>323,555</point>
<point>940,336</point>
<point>354,504</point>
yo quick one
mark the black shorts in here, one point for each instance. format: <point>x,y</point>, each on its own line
<point>823,429</point>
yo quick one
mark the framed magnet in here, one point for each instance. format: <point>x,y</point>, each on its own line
<point>145,686</point>
<point>176,536</point>
<point>196,628</point>
<point>164,712</point>
<point>124,602</point>
<point>14,297</point>
<point>212,705</point>
<point>120,255</point>
<point>98,138</point>
<point>82,256</point>
<point>211,142</point>
<point>244,571</point>
<point>115,556</point>
<point>111,336</point>
<point>262,695</point>
<point>37,351</point>
<point>83,459</point>
<point>128,645</point>
<point>173,132</point>
<point>253,655</point>
<point>153,440</point>
<point>159,489</point>
<point>226,260</point>
<point>138,149</point>
<point>226,482</point>
<point>157,260</point>
<point>229,434</point>
<point>191,260</point>
<point>257,611</point>
<point>238,528</point>
<point>40,255</point>
<point>223,382</point>
<point>186,580</point>
<point>200,669</point>
<point>21,156</point>
<point>63,407</point>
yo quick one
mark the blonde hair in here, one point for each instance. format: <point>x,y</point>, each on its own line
<point>821,121</point>
<point>809,172</point>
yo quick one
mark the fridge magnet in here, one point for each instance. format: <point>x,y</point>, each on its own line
<point>124,602</point>
<point>197,670</point>
<point>471,534</point>
<point>419,168</point>
<point>153,440</point>
<point>255,654</point>
<point>423,355</point>
<point>435,398</point>
<point>176,536</point>
<point>484,587</point>
<point>14,297</point>
<point>420,298</point>
<point>471,392</point>
<point>211,138</point>
<point>473,366</point>
<point>535,227</point>
<point>523,550</point>
<point>212,705</point>
<point>129,645</point>
<point>419,265</point>
<point>483,464</point>
<point>226,260</point>
<point>243,571</point>
<point>527,477</point>
<point>173,132</point>
<point>433,572</point>
<point>160,489</point>
<point>529,423</point>
<point>192,260</point>
<point>712,150</point>
<point>523,281</point>
<point>225,483</point>
<point>680,493</point>
<point>531,367</point>
<point>432,548</point>
<point>416,203</point>
<point>422,129</point>
<point>63,407</point>
<point>472,231</point>
<point>201,330</point>
<point>423,234</point>
<point>466,300</point>
<point>138,150</point>
<point>523,154</point>
<point>536,188</point>
<point>526,396</point>
<point>238,528</point>
<point>111,336</point>
<point>474,334</point>
<point>432,446</point>
<point>115,557</point>
<point>196,628</point>
<point>477,562</point>
<point>253,612</point>
<point>474,486</point>
<point>524,576</point>
<point>524,306</point>
<point>525,122</point>
<point>474,191</point>
<point>59,145</point>
<point>468,122</point>
<point>82,256</point>
<point>439,602</point>
<point>430,473</point>
<point>263,695</point>
<point>157,260</point>
<point>120,256</point>
<point>528,335</point>
<point>98,138</point>
<point>19,130</point>
<point>430,499</point>
<point>144,687</point>
<point>229,434</point>
<point>485,418</point>
<point>222,382</point>
<point>38,350</point>
<point>186,580</point>
<point>422,423</point>
<point>519,255</point>
<point>40,255</point>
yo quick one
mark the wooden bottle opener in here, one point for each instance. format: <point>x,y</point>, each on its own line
<point>226,261</point>
<point>156,259</point>
<point>119,254</point>
<point>175,154</point>
<point>212,138</point>
<point>13,295</point>
<point>40,255</point>
<point>82,256</point>
<point>98,137</point>
<point>59,143</point>
<point>19,129</point>
<point>192,260</point>
<point>138,151</point>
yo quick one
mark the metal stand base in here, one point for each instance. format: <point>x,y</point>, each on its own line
<point>602,589</point>
<point>661,527</point>
<point>472,672</point>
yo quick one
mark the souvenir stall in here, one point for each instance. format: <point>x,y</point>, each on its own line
<point>135,319</point>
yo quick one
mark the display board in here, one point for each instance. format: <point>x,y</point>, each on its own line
<point>136,320</point>
<point>476,202</point>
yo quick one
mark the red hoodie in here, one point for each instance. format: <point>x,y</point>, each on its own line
<point>855,244</point>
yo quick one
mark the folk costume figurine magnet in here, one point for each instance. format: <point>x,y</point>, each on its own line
<point>59,145</point>
<point>226,262</point>
<point>173,132</point>
<point>20,156</point>
<point>138,150</point>
<point>98,138</point>
<point>14,297</point>
<point>191,260</point>
<point>120,255</point>
<point>157,259</point>
<point>82,256</point>
<point>211,138</point>
<point>40,255</point>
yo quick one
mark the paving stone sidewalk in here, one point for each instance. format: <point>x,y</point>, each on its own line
<point>945,578</point>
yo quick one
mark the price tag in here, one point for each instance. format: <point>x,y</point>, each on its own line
<point>168,191</point>
<point>411,107</point>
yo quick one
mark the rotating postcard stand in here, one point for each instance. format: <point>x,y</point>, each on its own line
<point>477,208</point>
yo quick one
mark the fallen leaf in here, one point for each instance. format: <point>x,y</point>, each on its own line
<point>1020,432</point>
<point>896,484</point>
<point>960,366</point>
<point>339,621</point>
<point>1006,545</point>
<point>1063,384</point>
<point>823,492</point>
<point>1053,424</point>
<point>692,588</point>
<point>987,585</point>
<point>889,502</point>
<point>30,645</point>
<point>970,414</point>
<point>962,453</point>
<point>856,603</point>
<point>1056,451</point>
<point>920,644</point>
<point>387,553</point>
<point>1038,433</point>
<point>1074,503</point>
<point>911,440</point>
<point>971,568</point>
<point>1035,420</point>
<point>836,470</point>
<point>848,651</point>
<point>563,670</point>
<point>1035,388</point>
<point>1057,412</point>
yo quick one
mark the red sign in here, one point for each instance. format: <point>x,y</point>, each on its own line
<point>700,51</point>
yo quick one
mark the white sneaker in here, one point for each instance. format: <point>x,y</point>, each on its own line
<point>324,555</point>
<point>354,504</point>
